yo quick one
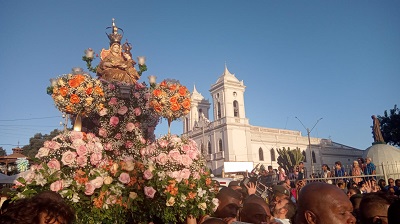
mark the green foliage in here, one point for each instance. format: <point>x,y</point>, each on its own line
<point>288,158</point>
<point>390,126</point>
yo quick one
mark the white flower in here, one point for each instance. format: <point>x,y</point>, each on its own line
<point>40,180</point>
<point>171,201</point>
<point>215,201</point>
<point>201,192</point>
<point>42,152</point>
<point>75,198</point>
<point>202,206</point>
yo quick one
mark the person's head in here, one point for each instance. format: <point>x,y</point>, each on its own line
<point>352,191</point>
<point>374,208</point>
<point>381,183</point>
<point>394,213</point>
<point>391,182</point>
<point>355,201</point>
<point>325,167</point>
<point>338,164</point>
<point>397,182</point>
<point>255,210</point>
<point>42,208</point>
<point>391,190</point>
<point>301,164</point>
<point>280,192</point>
<point>284,209</point>
<point>355,163</point>
<point>213,220</point>
<point>270,168</point>
<point>235,185</point>
<point>229,203</point>
<point>320,202</point>
<point>368,160</point>
<point>360,160</point>
<point>115,48</point>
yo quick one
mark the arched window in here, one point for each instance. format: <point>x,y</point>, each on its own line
<point>219,110</point>
<point>272,154</point>
<point>220,145</point>
<point>260,154</point>
<point>304,155</point>
<point>235,109</point>
<point>313,157</point>
<point>202,148</point>
<point>209,148</point>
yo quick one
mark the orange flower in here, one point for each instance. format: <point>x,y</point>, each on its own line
<point>74,99</point>
<point>163,83</point>
<point>89,91</point>
<point>156,92</point>
<point>175,107</point>
<point>191,195</point>
<point>172,87</point>
<point>172,189</point>
<point>208,181</point>
<point>173,100</point>
<point>182,90</point>
<point>63,91</point>
<point>73,83</point>
<point>79,78</point>
<point>98,91</point>
<point>68,108</point>
<point>186,103</point>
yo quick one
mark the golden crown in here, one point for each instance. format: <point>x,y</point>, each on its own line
<point>114,36</point>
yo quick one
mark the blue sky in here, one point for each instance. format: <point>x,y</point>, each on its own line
<point>339,60</point>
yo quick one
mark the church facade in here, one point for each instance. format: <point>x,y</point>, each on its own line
<point>227,136</point>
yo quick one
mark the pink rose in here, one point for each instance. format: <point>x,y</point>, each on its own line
<point>95,158</point>
<point>89,188</point>
<point>185,173</point>
<point>130,126</point>
<point>196,175</point>
<point>97,182</point>
<point>137,95</point>
<point>186,160</point>
<point>147,174</point>
<point>112,199</point>
<point>81,150</point>
<point>74,135</point>
<point>137,111</point>
<point>113,101</point>
<point>52,145</point>
<point>142,140</point>
<point>128,144</point>
<point>139,86</point>
<point>108,146</point>
<point>143,151</point>
<point>91,137</point>
<point>147,96</point>
<point>42,152</point>
<point>122,110</point>
<point>124,178</point>
<point>111,86</point>
<point>114,121</point>
<point>118,136</point>
<point>162,158</point>
<point>175,155</point>
<point>185,148</point>
<point>103,112</point>
<point>193,154</point>
<point>54,164</point>
<point>68,158</point>
<point>56,186</point>
<point>81,161</point>
<point>163,143</point>
<point>149,192</point>
<point>103,132</point>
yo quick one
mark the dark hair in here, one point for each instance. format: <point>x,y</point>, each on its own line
<point>372,201</point>
<point>29,211</point>
<point>338,163</point>
<point>394,212</point>
<point>291,207</point>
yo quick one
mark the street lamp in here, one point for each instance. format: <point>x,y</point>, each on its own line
<point>309,141</point>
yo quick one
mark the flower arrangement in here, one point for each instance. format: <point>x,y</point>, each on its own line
<point>170,100</point>
<point>98,187</point>
<point>77,94</point>
<point>177,184</point>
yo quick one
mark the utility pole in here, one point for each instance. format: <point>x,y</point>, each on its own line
<point>309,141</point>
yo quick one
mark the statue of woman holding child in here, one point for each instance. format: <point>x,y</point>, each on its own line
<point>116,65</point>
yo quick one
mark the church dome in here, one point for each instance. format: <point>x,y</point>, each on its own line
<point>382,153</point>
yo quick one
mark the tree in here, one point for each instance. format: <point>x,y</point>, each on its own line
<point>287,158</point>
<point>37,141</point>
<point>390,126</point>
<point>2,152</point>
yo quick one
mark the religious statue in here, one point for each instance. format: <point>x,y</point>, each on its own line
<point>376,130</point>
<point>115,64</point>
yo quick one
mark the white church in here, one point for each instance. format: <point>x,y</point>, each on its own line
<point>227,135</point>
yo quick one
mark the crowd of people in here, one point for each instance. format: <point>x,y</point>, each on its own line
<point>272,197</point>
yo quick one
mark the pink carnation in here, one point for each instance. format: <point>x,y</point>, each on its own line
<point>114,121</point>
<point>149,192</point>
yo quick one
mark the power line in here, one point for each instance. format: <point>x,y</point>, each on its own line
<point>27,119</point>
